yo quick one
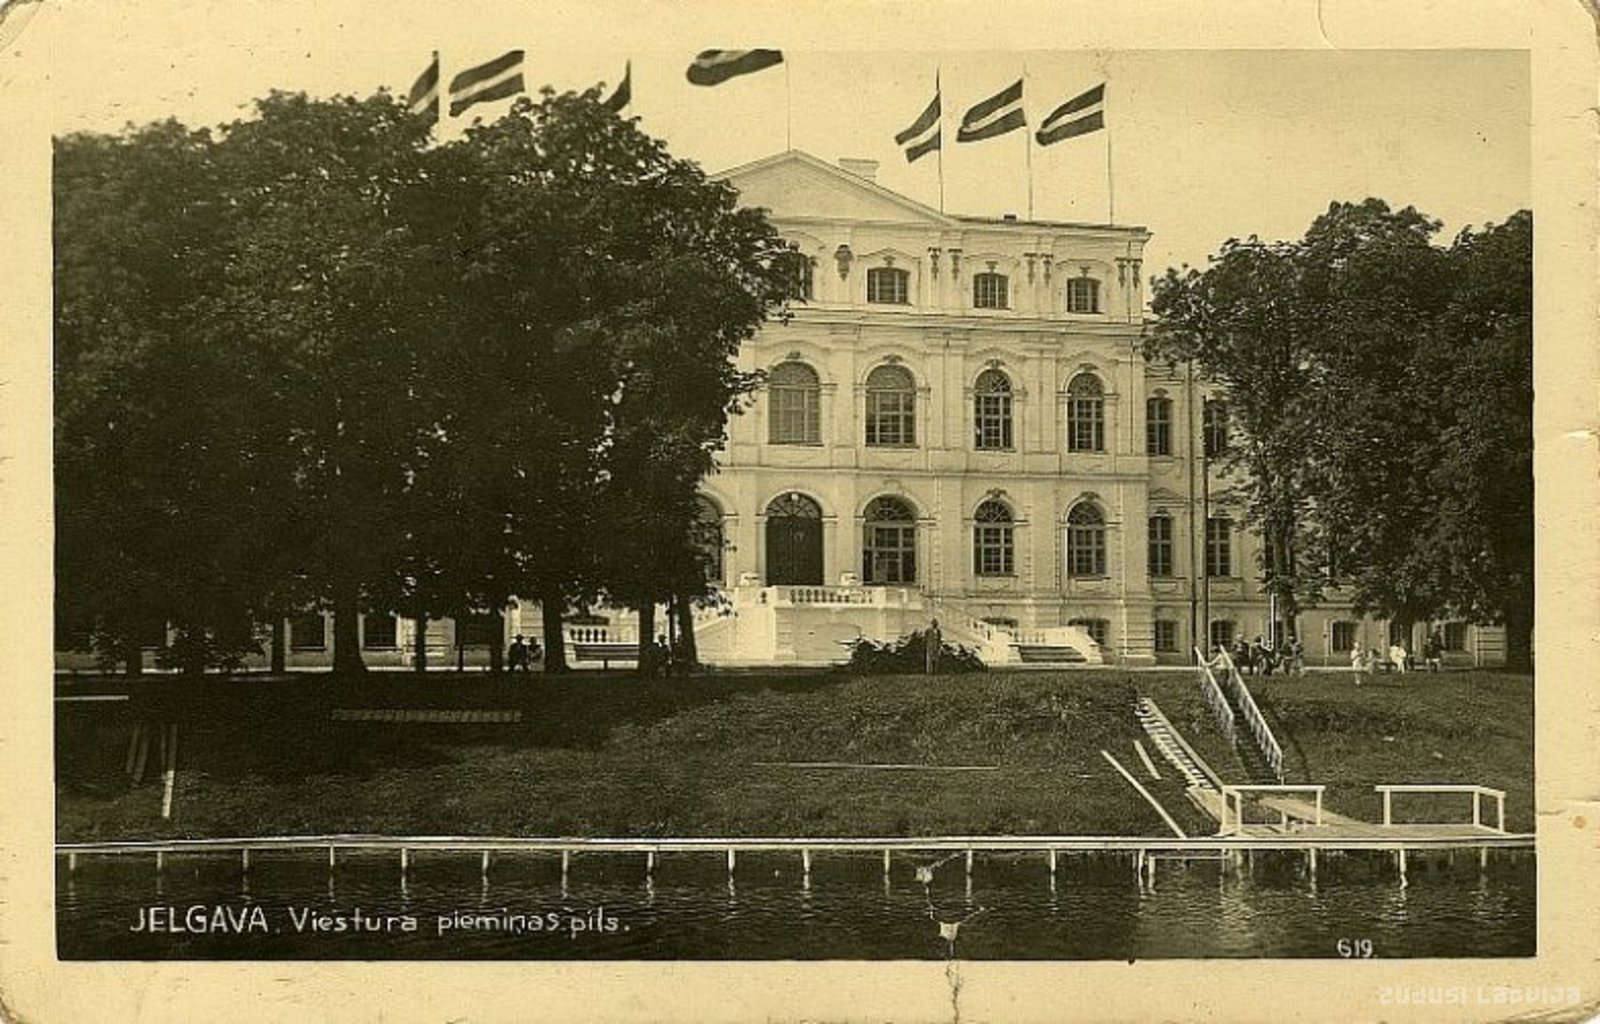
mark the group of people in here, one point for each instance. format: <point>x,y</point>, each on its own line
<point>522,653</point>
<point>1263,658</point>
<point>1398,660</point>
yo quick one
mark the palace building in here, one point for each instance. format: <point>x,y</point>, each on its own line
<point>957,424</point>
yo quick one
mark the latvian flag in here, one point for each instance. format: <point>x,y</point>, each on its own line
<point>713,67</point>
<point>1080,115</point>
<point>495,80</point>
<point>619,100</point>
<point>996,115</point>
<point>925,134</point>
<point>423,99</point>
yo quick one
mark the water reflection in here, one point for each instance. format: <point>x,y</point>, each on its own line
<point>844,908</point>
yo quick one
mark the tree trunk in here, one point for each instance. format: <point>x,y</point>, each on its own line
<point>1519,640</point>
<point>280,645</point>
<point>647,639</point>
<point>347,633</point>
<point>551,606</point>
<point>691,650</point>
<point>497,642</point>
<point>420,644</point>
<point>132,657</point>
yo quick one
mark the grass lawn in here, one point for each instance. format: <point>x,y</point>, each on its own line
<point>614,755</point>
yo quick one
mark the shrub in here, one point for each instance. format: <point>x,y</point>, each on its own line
<point>908,656</point>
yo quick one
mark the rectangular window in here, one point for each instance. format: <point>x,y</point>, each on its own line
<point>994,421</point>
<point>888,285</point>
<point>1344,637</point>
<point>1161,545</point>
<point>1158,427</point>
<point>1221,633</point>
<point>1455,636</point>
<point>808,279</point>
<point>308,632</point>
<point>891,418</point>
<point>989,291</point>
<point>379,632</point>
<point>992,550</point>
<point>1098,629</point>
<point>1215,428</point>
<point>796,415</point>
<point>1219,547</point>
<point>1166,636</point>
<point>1086,427</point>
<point>1083,295</point>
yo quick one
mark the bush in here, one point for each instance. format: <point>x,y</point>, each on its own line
<point>907,656</point>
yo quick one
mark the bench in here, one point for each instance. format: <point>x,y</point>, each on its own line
<point>605,653</point>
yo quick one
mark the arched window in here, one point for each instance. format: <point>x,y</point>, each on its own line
<point>1086,541</point>
<point>1086,417</point>
<point>891,407</point>
<point>992,410</point>
<point>707,537</point>
<point>992,547</point>
<point>989,291</point>
<point>1160,561</point>
<point>1083,295</point>
<point>794,405</point>
<point>1158,426</point>
<point>889,543</point>
<point>889,285</point>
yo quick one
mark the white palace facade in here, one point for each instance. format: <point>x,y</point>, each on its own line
<point>958,424</point>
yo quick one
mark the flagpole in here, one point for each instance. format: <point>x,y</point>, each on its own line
<point>938,94</point>
<point>788,108</point>
<point>1027,141</point>
<point>1111,195</point>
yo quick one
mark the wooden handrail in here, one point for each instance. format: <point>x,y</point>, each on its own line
<point>1215,699</point>
<point>1259,729</point>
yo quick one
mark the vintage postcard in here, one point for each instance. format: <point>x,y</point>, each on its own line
<point>945,513</point>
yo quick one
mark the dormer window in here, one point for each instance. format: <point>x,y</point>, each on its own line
<point>1083,295</point>
<point>889,285</point>
<point>989,291</point>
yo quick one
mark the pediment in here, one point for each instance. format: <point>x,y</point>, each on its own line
<point>796,184</point>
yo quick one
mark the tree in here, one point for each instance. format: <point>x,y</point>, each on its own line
<point>1362,361</point>
<point>607,286</point>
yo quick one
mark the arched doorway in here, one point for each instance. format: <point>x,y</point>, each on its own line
<point>794,541</point>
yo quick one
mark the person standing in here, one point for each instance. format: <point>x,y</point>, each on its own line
<point>1358,663</point>
<point>1433,651</point>
<point>517,654</point>
<point>932,641</point>
<point>1397,656</point>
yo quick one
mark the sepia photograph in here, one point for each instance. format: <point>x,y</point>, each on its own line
<point>519,495</point>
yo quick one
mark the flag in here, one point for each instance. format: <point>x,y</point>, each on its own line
<point>495,80</point>
<point>713,67</point>
<point>1080,115</point>
<point>996,115</point>
<point>619,100</point>
<point>423,99</point>
<point>926,133</point>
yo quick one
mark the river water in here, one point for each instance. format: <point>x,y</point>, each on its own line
<point>290,906</point>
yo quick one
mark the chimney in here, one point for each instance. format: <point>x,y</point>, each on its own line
<point>867,169</point>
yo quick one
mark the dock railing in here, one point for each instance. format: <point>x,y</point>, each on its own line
<point>1253,718</point>
<point>1477,793</point>
<point>1211,690</point>
<point>1233,804</point>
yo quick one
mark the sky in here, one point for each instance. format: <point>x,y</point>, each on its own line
<point>1201,144</point>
